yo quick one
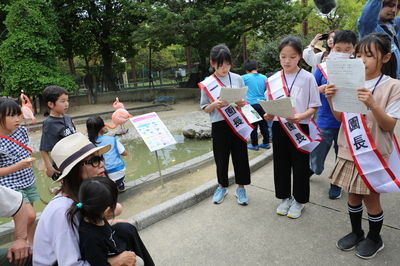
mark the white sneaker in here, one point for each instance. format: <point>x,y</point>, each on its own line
<point>295,210</point>
<point>284,207</point>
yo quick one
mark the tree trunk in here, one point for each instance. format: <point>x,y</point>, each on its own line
<point>134,77</point>
<point>71,66</point>
<point>204,64</point>
<point>108,77</point>
<point>189,58</point>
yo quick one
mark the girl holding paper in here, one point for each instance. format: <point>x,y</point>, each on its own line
<point>366,144</point>
<point>230,129</point>
<point>292,144</point>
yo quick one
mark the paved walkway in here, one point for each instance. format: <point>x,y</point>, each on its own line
<point>190,230</point>
<point>231,234</point>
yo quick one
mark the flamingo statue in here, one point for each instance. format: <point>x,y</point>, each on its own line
<point>119,118</point>
<point>26,109</point>
<point>117,104</point>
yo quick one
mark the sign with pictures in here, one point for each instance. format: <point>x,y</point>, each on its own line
<point>153,131</point>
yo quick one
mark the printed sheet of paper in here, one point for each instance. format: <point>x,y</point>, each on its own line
<point>281,107</point>
<point>348,75</point>
<point>251,114</point>
<point>153,131</point>
<point>232,95</point>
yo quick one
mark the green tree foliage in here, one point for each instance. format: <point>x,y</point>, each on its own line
<point>343,17</point>
<point>160,59</point>
<point>107,27</point>
<point>3,14</point>
<point>203,24</point>
<point>268,55</point>
<point>29,53</point>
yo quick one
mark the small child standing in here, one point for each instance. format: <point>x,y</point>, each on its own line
<point>114,164</point>
<point>256,91</point>
<point>99,240</point>
<point>381,95</point>
<point>15,159</point>
<point>291,144</point>
<point>229,128</point>
<point>56,126</point>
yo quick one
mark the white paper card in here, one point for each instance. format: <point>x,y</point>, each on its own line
<point>281,107</point>
<point>251,114</point>
<point>348,75</point>
<point>232,95</point>
<point>153,131</point>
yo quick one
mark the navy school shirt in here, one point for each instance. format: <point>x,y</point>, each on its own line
<point>54,129</point>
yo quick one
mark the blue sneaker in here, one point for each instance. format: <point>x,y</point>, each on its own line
<point>219,195</point>
<point>241,196</point>
<point>254,148</point>
<point>265,146</point>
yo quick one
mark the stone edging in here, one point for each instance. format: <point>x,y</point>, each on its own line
<point>170,207</point>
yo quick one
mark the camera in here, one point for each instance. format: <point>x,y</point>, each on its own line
<point>324,36</point>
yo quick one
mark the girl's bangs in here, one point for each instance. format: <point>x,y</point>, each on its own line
<point>364,47</point>
<point>10,108</point>
<point>10,111</point>
<point>223,57</point>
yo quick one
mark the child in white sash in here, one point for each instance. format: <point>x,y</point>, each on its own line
<point>381,95</point>
<point>303,91</point>
<point>225,140</point>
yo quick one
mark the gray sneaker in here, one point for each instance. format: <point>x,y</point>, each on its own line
<point>284,207</point>
<point>295,210</point>
<point>349,241</point>
<point>368,248</point>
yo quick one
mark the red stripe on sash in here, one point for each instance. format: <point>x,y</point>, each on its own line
<point>203,87</point>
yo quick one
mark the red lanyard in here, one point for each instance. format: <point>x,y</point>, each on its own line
<point>19,143</point>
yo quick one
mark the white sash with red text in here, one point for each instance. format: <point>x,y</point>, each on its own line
<point>277,88</point>
<point>379,176</point>
<point>232,114</point>
<point>322,67</point>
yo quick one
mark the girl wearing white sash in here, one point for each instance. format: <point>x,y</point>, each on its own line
<point>226,140</point>
<point>302,89</point>
<point>381,95</point>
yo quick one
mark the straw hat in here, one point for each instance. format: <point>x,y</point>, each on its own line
<point>71,150</point>
<point>318,45</point>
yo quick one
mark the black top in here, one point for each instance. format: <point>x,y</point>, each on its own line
<point>97,243</point>
<point>54,129</point>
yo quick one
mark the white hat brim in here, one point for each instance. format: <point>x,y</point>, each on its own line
<point>101,150</point>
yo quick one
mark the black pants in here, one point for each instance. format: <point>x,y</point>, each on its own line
<point>263,127</point>
<point>287,158</point>
<point>129,234</point>
<point>225,143</point>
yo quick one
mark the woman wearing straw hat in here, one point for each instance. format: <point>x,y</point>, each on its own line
<point>56,243</point>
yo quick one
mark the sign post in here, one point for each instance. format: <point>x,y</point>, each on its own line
<point>154,133</point>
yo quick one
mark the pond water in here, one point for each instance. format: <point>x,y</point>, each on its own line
<point>139,163</point>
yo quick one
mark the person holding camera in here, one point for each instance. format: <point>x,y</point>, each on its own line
<point>380,16</point>
<point>313,58</point>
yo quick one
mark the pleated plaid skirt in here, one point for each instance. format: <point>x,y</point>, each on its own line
<point>345,175</point>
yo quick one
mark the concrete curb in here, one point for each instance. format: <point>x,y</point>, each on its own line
<point>81,119</point>
<point>190,198</point>
<point>168,208</point>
